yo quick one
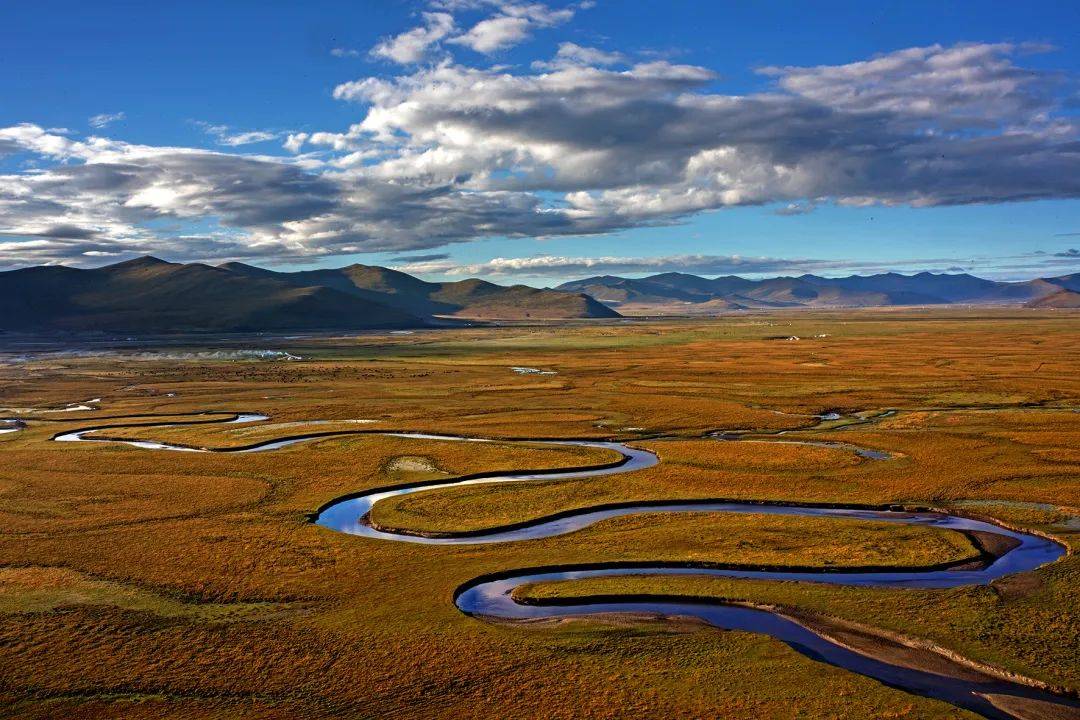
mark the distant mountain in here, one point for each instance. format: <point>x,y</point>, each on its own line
<point>619,291</point>
<point>148,295</point>
<point>683,293</point>
<point>1069,282</point>
<point>464,298</point>
<point>1060,299</point>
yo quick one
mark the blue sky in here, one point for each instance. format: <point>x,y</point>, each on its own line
<point>203,98</point>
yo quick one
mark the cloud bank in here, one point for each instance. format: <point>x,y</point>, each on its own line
<point>560,266</point>
<point>586,142</point>
<point>556,266</point>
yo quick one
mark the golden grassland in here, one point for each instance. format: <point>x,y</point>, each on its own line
<point>143,584</point>
<point>966,456</point>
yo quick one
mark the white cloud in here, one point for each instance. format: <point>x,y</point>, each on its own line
<point>415,45</point>
<point>570,54</point>
<point>557,266</point>
<point>294,142</point>
<point>448,153</point>
<point>648,143</point>
<point>495,33</point>
<point>965,83</point>
<point>513,23</point>
<point>537,13</point>
<point>563,266</point>
<point>247,138</point>
<point>106,119</point>
<point>796,208</point>
<point>344,52</point>
<point>225,135</point>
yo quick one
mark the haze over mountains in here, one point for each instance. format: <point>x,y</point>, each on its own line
<point>683,293</point>
<point>148,295</point>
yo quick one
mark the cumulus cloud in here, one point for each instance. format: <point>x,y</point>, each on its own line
<point>513,23</point>
<point>415,45</point>
<point>294,142</point>
<point>649,142</point>
<point>969,84</point>
<point>496,33</point>
<point>105,119</point>
<point>110,190</point>
<point>584,145</point>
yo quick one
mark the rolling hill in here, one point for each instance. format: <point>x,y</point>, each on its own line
<point>148,296</point>
<point>1060,299</point>
<point>691,294</point>
<point>464,298</point>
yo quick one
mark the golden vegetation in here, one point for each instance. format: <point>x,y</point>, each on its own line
<point>144,584</point>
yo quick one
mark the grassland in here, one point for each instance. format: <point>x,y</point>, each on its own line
<point>144,585</point>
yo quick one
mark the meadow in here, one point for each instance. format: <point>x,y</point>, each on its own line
<point>147,584</point>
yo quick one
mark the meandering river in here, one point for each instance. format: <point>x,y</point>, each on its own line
<point>981,691</point>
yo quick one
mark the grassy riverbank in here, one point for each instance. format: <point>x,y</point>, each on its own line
<point>142,584</point>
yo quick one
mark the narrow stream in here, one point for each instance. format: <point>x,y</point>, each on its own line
<point>11,425</point>
<point>491,597</point>
<point>962,688</point>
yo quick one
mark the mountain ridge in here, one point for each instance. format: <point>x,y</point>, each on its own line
<point>151,295</point>
<point>1061,299</point>
<point>471,298</point>
<point>682,292</point>
<point>147,295</point>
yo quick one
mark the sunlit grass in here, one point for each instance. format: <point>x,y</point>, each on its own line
<point>148,584</point>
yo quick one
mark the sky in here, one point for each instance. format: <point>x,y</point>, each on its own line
<point>539,142</point>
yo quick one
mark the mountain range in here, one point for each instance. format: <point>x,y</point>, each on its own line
<point>148,295</point>
<point>464,298</point>
<point>683,293</point>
